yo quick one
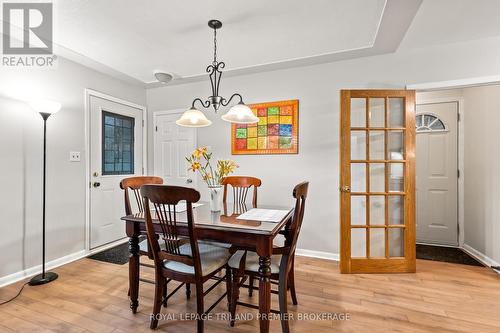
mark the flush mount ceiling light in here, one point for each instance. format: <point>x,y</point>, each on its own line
<point>163,77</point>
<point>239,113</point>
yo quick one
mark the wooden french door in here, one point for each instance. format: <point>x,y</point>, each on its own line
<point>377,181</point>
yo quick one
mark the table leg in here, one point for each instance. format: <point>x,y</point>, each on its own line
<point>133,272</point>
<point>264,293</point>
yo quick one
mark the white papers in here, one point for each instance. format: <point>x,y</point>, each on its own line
<point>181,207</point>
<point>264,215</point>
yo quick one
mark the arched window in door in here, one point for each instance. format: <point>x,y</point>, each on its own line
<point>427,122</point>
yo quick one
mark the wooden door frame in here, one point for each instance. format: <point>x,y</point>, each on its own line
<point>382,265</point>
<point>155,143</point>
<point>88,93</point>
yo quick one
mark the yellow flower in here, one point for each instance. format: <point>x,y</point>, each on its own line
<point>226,167</point>
<point>198,152</point>
<point>195,166</point>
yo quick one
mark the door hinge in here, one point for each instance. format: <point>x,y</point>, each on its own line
<point>458,173</point>
<point>156,128</point>
<point>143,170</point>
<point>458,117</point>
<point>143,123</point>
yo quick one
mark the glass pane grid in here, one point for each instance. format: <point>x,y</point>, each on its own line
<point>377,174</point>
<point>117,144</point>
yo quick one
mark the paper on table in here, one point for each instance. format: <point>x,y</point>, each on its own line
<point>181,207</point>
<point>265,215</point>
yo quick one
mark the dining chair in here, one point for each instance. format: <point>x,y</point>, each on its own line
<point>133,184</point>
<point>246,263</point>
<point>194,262</point>
<point>240,186</point>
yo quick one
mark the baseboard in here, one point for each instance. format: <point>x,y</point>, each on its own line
<point>317,254</point>
<point>480,256</point>
<point>18,276</point>
<point>441,245</point>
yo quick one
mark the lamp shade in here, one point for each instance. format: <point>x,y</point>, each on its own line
<point>193,118</point>
<point>240,114</point>
<point>45,106</point>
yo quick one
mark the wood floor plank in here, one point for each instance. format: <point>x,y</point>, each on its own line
<point>91,296</point>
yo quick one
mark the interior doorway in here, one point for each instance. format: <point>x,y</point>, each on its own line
<point>476,101</point>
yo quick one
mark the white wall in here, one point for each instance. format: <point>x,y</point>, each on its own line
<point>482,170</point>
<point>317,88</point>
<point>21,133</point>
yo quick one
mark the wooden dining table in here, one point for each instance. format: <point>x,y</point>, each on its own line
<point>220,226</point>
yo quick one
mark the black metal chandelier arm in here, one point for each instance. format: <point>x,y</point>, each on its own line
<point>219,66</point>
<point>205,104</point>
<point>225,102</point>
<point>215,73</point>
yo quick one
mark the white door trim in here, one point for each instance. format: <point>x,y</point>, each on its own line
<point>155,116</point>
<point>87,94</point>
<point>460,134</point>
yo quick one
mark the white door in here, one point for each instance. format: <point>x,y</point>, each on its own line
<point>116,152</point>
<point>172,143</point>
<point>437,173</point>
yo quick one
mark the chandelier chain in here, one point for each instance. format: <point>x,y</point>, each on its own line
<point>215,47</point>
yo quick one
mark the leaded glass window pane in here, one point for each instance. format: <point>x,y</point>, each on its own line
<point>429,123</point>
<point>117,144</point>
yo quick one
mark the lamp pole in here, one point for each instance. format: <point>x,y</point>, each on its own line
<point>45,277</point>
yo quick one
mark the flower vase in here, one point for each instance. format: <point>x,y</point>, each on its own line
<point>216,192</point>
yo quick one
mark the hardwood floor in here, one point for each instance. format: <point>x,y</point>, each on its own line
<point>91,296</point>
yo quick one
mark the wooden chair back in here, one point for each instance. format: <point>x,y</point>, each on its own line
<point>133,184</point>
<point>241,185</point>
<point>164,199</point>
<point>300,195</point>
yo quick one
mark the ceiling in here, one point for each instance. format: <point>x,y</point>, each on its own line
<point>132,39</point>
<point>449,21</point>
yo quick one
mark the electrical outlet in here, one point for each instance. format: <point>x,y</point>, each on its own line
<point>74,156</point>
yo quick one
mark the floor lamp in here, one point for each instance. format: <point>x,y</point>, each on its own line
<point>45,109</point>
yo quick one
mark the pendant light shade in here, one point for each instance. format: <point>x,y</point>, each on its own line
<point>193,118</point>
<point>240,114</point>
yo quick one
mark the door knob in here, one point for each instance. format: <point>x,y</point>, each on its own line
<point>189,181</point>
<point>96,184</point>
<point>345,189</point>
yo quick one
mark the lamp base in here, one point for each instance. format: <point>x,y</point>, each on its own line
<point>41,279</point>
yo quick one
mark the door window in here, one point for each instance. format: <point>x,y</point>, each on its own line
<point>427,122</point>
<point>117,144</point>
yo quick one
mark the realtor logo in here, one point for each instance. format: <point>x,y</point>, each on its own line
<point>28,33</point>
<point>27,28</point>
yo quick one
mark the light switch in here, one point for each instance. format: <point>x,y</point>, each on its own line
<point>74,156</point>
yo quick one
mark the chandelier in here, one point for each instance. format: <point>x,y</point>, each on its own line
<point>239,113</point>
